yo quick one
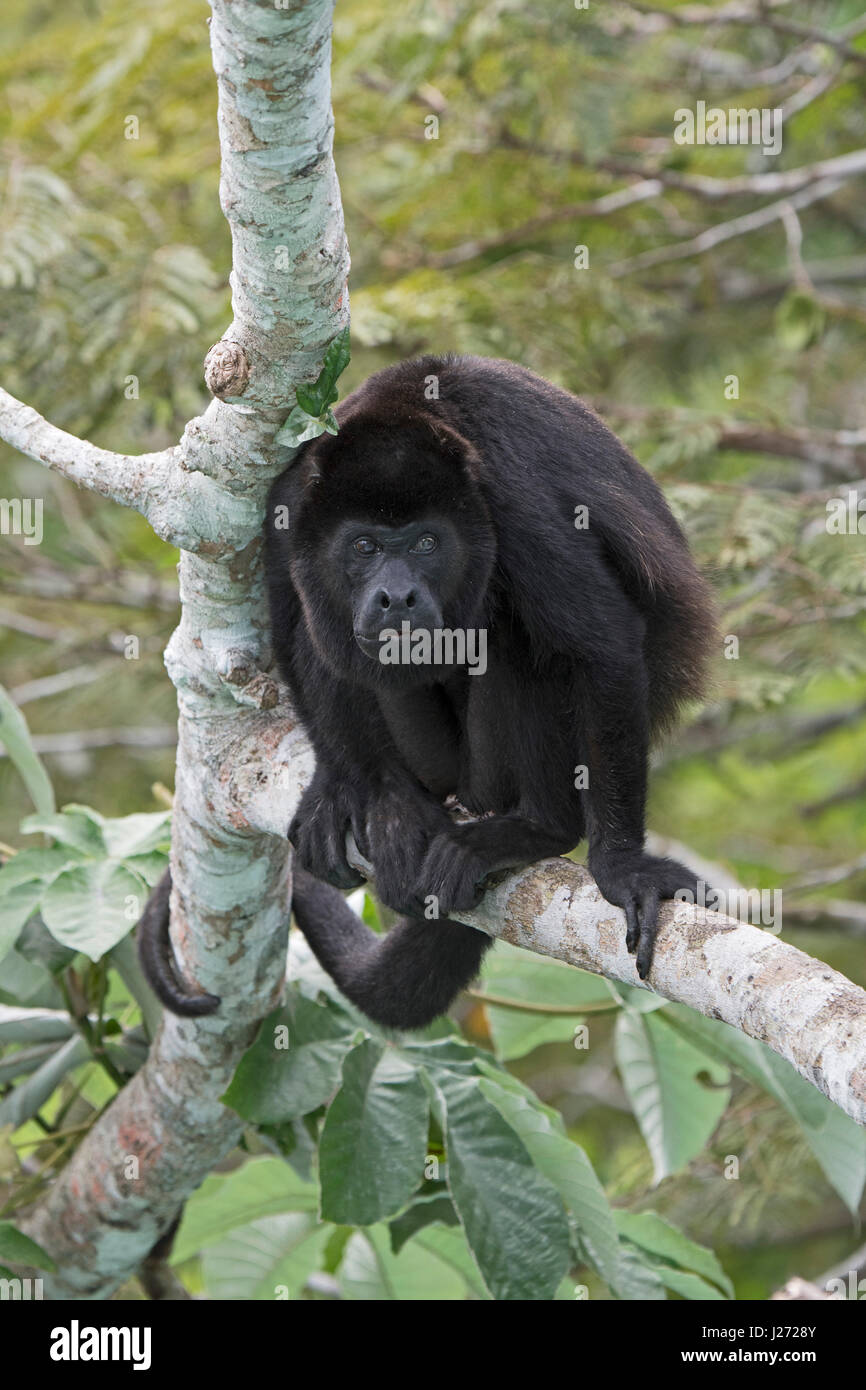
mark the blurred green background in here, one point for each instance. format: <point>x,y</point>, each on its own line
<point>114,261</point>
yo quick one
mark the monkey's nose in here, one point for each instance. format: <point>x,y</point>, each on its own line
<point>398,602</point>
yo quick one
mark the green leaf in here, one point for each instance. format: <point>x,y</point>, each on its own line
<point>262,1259</point>
<point>449,1244</point>
<point>309,400</point>
<point>370,1271</point>
<point>23,981</point>
<point>20,1025</point>
<point>371,1154</point>
<point>450,1054</point>
<point>16,907</point>
<point>637,1281</point>
<point>659,1238</point>
<point>24,1061</point>
<point>275,1083</point>
<point>513,1216</point>
<point>312,416</point>
<point>261,1187</point>
<point>528,979</point>
<point>72,827</point>
<point>685,1284</point>
<point>338,355</point>
<point>21,1250</point>
<point>138,834</point>
<point>37,945</point>
<point>30,865</point>
<point>15,737</point>
<point>92,906</point>
<point>837,1141</point>
<point>298,428</point>
<point>436,1208</point>
<point>800,320</point>
<point>22,1103</point>
<point>370,911</point>
<point>570,1171</point>
<point>536,980</point>
<point>516,1034</point>
<point>659,1070</point>
<point>150,867</point>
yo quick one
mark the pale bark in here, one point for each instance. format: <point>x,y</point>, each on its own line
<point>167,1128</point>
<point>726,969</point>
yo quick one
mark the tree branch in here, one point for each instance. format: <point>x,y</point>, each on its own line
<point>240,770</point>
<point>137,481</point>
<point>841,452</point>
<point>709,186</point>
<point>600,207</point>
<point>168,1127</point>
<point>760,16</point>
<point>806,1012</point>
<point>184,506</point>
<point>727,231</point>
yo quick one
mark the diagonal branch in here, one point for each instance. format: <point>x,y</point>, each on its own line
<point>726,231</point>
<point>600,207</point>
<point>183,504</point>
<point>842,452</point>
<point>760,16</point>
<point>806,1012</point>
<point>709,186</point>
<point>138,481</point>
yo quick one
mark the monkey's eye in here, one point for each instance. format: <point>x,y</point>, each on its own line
<point>365,546</point>
<point>424,545</point>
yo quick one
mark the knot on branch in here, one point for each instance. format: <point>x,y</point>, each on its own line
<point>252,687</point>
<point>226,370</point>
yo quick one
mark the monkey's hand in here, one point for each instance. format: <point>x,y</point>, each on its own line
<point>318,832</point>
<point>400,825</point>
<point>453,872</point>
<point>637,882</point>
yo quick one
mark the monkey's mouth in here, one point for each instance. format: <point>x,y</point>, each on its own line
<point>370,644</point>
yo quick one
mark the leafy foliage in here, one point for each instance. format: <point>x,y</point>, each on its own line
<point>313,415</point>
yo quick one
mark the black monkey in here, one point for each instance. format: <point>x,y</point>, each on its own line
<point>463,495</point>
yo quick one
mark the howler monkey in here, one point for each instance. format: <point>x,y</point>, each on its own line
<point>468,506</point>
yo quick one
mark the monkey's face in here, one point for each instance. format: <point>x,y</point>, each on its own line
<point>398,575</point>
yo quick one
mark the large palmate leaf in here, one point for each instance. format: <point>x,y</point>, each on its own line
<point>512,1214</point>
<point>678,1092</point>
<point>225,1201</point>
<point>270,1258</point>
<point>837,1141</point>
<point>274,1082</point>
<point>371,1153</point>
<point>370,1271</point>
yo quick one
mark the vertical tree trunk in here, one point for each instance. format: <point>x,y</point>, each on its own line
<point>280,195</point>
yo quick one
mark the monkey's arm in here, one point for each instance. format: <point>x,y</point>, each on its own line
<point>361,783</point>
<point>617,749</point>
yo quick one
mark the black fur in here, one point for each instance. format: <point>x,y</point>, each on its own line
<point>595,637</point>
<point>157,961</point>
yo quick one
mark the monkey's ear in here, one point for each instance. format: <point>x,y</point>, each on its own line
<point>453,444</point>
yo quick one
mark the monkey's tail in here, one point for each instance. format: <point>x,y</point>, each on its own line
<point>157,958</point>
<point>404,979</point>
